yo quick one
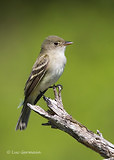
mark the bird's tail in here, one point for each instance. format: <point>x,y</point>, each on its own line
<point>24,117</point>
<point>25,113</point>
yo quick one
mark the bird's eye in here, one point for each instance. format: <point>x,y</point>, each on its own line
<point>56,43</point>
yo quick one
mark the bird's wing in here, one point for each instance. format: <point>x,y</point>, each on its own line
<point>38,71</point>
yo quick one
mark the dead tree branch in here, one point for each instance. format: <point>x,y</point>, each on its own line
<point>60,119</point>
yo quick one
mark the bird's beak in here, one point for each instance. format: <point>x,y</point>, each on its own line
<point>67,43</point>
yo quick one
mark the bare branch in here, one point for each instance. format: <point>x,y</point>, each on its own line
<point>59,118</point>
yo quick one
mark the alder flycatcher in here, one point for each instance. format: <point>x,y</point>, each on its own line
<point>47,69</point>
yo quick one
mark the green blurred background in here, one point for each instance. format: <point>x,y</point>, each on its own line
<point>88,80</point>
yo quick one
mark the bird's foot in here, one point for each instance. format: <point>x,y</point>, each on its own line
<point>57,86</point>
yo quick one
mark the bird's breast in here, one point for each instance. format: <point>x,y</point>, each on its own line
<point>56,66</point>
<point>54,71</point>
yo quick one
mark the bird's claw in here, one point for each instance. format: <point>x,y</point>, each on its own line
<point>59,86</point>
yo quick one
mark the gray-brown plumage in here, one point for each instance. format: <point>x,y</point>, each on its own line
<point>45,72</point>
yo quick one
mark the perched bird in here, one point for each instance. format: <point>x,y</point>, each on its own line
<point>47,69</point>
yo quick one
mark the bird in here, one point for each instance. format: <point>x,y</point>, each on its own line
<point>46,71</point>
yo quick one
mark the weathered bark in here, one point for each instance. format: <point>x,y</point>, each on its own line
<point>60,119</point>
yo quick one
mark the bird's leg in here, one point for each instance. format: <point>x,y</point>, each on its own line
<point>56,86</point>
<point>59,86</point>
